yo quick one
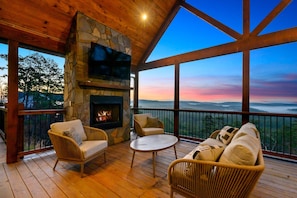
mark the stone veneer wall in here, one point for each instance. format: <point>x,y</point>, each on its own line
<point>85,30</point>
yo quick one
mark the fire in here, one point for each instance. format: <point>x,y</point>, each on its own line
<point>103,116</point>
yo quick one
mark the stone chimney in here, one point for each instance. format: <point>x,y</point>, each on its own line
<point>79,86</point>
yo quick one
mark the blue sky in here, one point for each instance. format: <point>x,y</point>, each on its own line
<point>273,70</point>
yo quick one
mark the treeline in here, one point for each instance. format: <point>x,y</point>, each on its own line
<point>40,82</point>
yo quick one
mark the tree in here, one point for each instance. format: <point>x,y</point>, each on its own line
<point>3,83</point>
<point>40,80</point>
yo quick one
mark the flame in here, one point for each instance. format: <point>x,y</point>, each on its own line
<point>103,116</point>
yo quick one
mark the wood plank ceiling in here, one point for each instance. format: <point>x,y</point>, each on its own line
<point>46,24</point>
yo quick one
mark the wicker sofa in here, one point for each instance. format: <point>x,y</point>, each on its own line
<point>227,164</point>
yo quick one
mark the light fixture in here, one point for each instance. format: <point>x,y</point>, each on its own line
<point>144,16</point>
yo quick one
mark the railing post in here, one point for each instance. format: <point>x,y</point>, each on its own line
<point>20,136</point>
<point>176,123</point>
<point>3,124</point>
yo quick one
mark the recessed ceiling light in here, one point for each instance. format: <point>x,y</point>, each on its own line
<point>144,16</point>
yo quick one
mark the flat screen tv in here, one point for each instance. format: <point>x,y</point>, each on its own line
<point>106,63</point>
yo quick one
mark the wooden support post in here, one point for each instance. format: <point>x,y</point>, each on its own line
<point>246,64</point>
<point>246,86</point>
<point>12,106</point>
<point>136,96</point>
<point>176,99</point>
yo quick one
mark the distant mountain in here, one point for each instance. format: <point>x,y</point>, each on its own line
<point>223,106</point>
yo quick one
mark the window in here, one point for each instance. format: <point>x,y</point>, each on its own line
<point>156,87</point>
<point>40,80</point>
<point>212,84</point>
<point>273,79</point>
<point>3,73</point>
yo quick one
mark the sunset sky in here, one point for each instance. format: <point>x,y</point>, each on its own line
<point>273,70</point>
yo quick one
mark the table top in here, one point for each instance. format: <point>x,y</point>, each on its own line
<point>153,143</point>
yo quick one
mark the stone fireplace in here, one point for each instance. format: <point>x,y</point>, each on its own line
<point>96,102</point>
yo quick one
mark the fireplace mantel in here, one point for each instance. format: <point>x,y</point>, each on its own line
<point>90,84</point>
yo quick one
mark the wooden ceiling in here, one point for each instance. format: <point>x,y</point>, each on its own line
<point>46,24</point>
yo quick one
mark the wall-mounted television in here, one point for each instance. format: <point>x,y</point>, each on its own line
<point>107,63</point>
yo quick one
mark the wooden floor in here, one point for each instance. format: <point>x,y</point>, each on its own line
<point>34,177</point>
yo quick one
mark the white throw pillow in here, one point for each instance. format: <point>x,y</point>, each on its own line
<point>202,152</point>
<point>74,135</point>
<point>226,134</point>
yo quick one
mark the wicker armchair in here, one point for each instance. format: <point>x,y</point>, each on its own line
<point>214,179</point>
<point>144,125</point>
<point>93,143</point>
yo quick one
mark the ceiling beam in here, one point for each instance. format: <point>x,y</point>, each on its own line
<point>246,18</point>
<point>250,43</point>
<point>282,5</point>
<point>211,21</point>
<point>30,38</point>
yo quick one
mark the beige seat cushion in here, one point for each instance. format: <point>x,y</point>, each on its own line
<point>60,127</point>
<point>249,129</point>
<point>89,148</point>
<point>244,147</point>
<point>152,131</point>
<point>242,151</point>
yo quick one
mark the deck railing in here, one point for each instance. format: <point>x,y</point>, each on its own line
<point>32,129</point>
<point>278,131</point>
<point>36,123</point>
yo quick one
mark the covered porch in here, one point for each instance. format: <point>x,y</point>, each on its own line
<point>33,176</point>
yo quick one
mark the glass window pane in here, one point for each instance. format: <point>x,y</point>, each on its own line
<point>187,33</point>
<point>284,20</point>
<point>212,84</point>
<point>156,87</point>
<point>273,79</point>
<point>227,12</point>
<point>3,73</point>
<point>40,80</point>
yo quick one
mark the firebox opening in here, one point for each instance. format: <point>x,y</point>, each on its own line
<point>106,111</point>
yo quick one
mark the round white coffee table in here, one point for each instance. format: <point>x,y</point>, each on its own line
<point>153,143</point>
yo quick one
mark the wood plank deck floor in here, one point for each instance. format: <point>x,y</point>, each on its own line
<point>34,177</point>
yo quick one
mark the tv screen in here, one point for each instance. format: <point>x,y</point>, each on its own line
<point>106,63</point>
